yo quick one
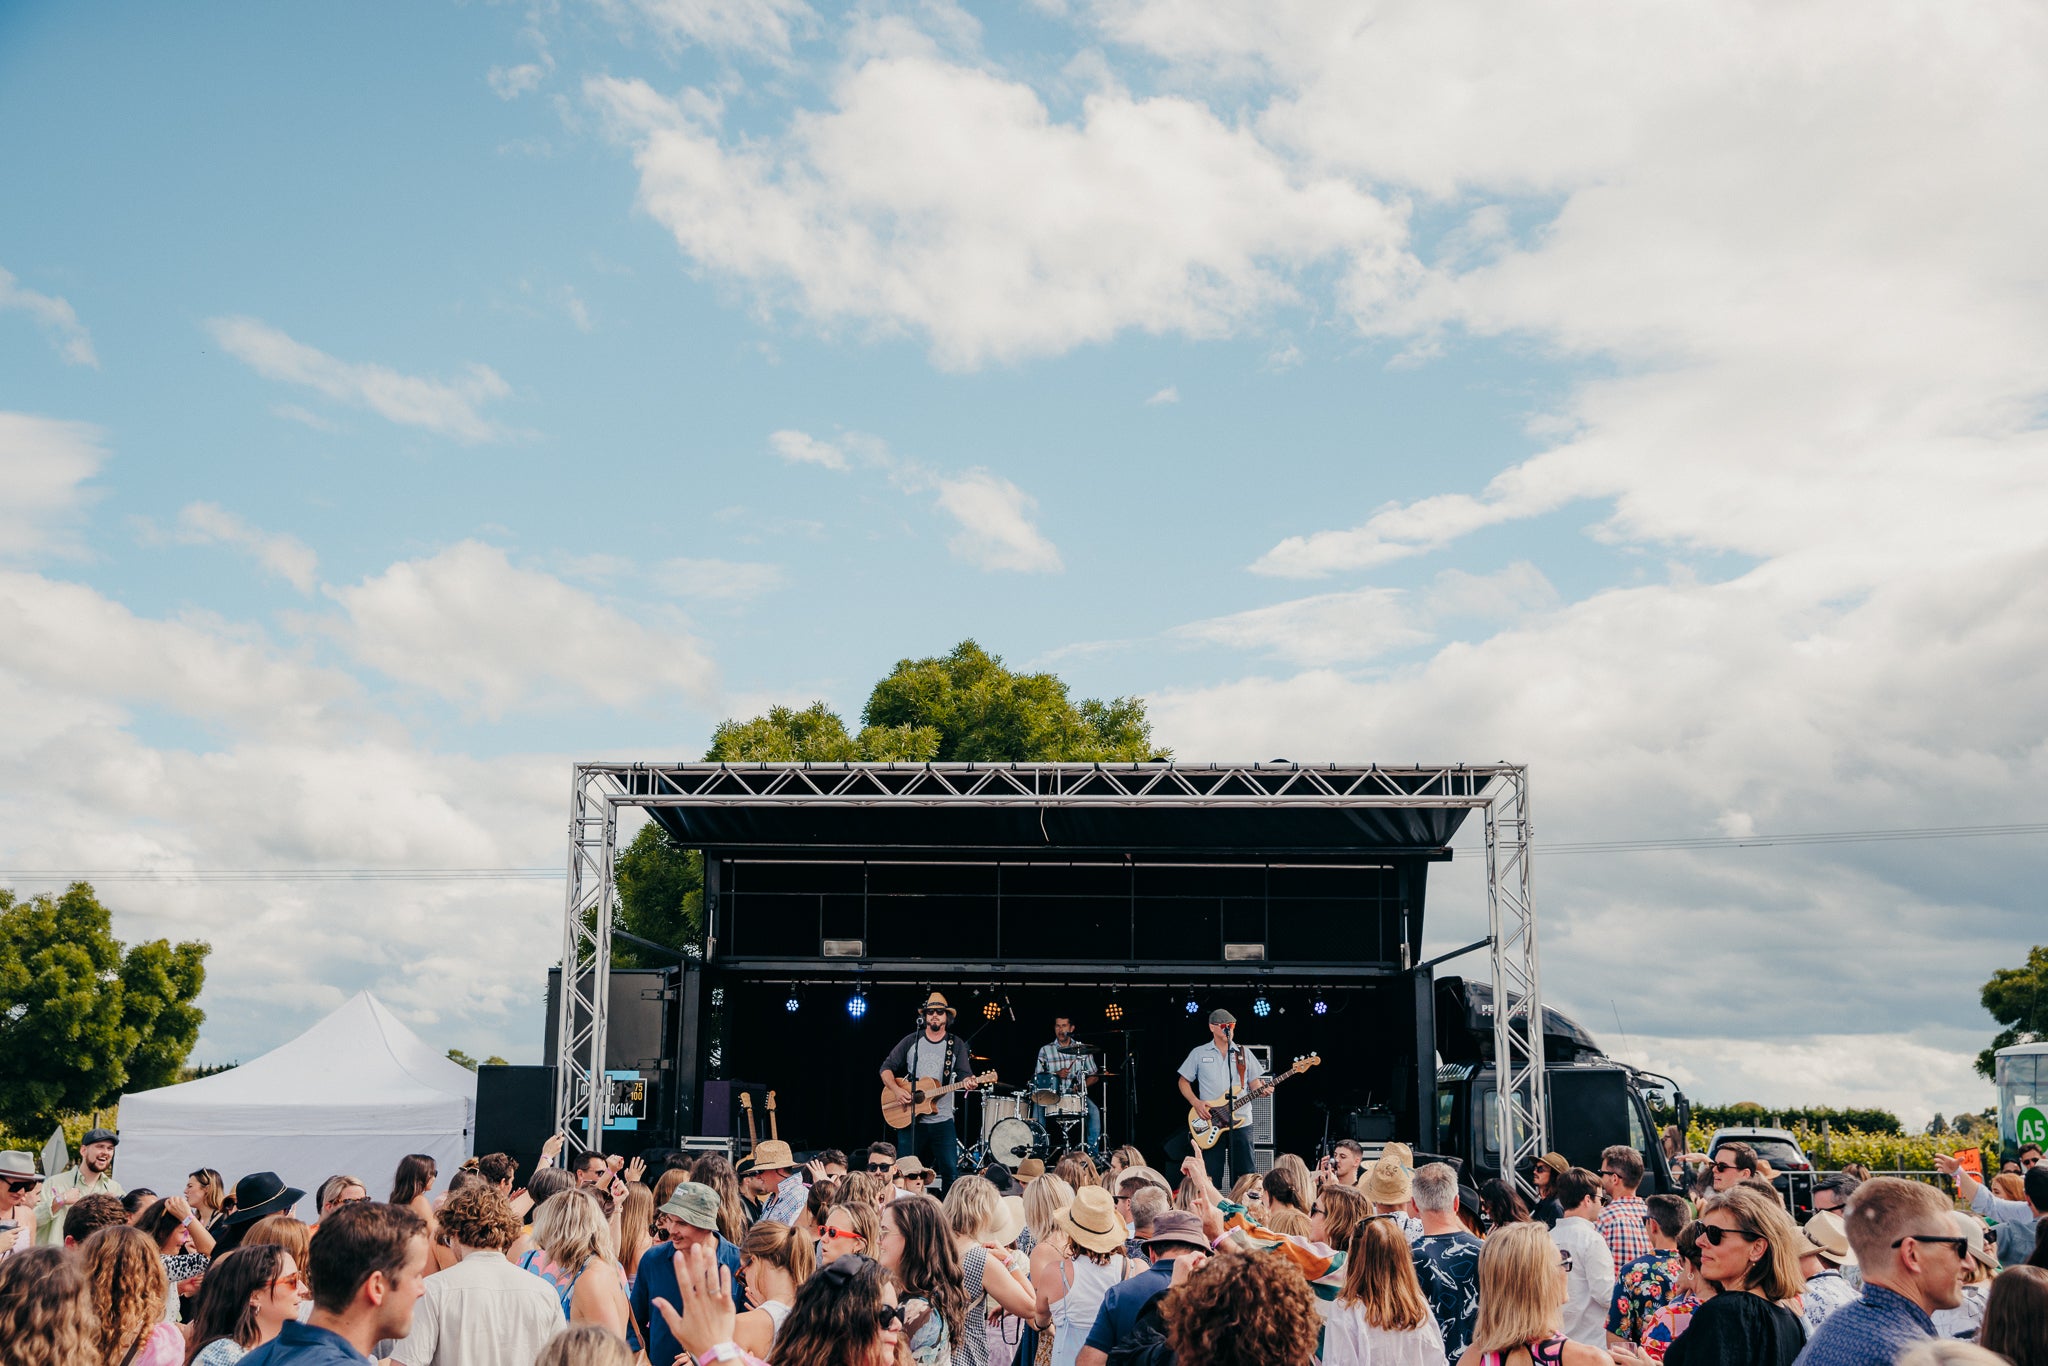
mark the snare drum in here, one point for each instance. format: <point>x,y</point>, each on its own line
<point>1045,1088</point>
<point>1069,1105</point>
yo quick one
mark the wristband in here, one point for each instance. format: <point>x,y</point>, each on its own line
<point>723,1352</point>
<point>188,1221</point>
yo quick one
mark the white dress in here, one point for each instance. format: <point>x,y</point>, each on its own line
<point>1348,1340</point>
<point>1073,1314</point>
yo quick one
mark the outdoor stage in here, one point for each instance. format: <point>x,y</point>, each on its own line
<point>1133,897</point>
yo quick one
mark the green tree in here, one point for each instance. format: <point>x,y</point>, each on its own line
<point>81,1018</point>
<point>1937,1126</point>
<point>817,735</point>
<point>2018,999</point>
<point>984,712</point>
<point>661,896</point>
<point>456,1055</point>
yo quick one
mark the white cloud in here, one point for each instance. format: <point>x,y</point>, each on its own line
<point>800,448</point>
<point>1333,628</point>
<point>945,200</point>
<point>449,407</point>
<point>285,556</point>
<point>468,625</point>
<point>1167,395</point>
<point>719,580</point>
<point>578,311</point>
<point>510,82</point>
<point>44,465</point>
<point>996,529</point>
<point>292,412</point>
<point>763,27</point>
<point>58,319</point>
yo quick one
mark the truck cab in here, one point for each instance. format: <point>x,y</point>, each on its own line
<point>1594,1101</point>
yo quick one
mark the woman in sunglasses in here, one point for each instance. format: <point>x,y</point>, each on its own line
<point>1749,1247</point>
<point>847,1229</point>
<point>846,1315</point>
<point>245,1298</point>
<point>1522,1291</point>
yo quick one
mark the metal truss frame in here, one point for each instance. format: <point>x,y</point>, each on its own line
<point>1500,791</point>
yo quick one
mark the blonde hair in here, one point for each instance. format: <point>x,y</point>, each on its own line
<point>585,1344</point>
<point>128,1287</point>
<point>636,1223</point>
<point>859,1188</point>
<point>281,1230</point>
<point>571,1228</point>
<point>866,1221</point>
<point>46,1308</point>
<point>2009,1186</point>
<point>779,1245</point>
<point>1285,1220</point>
<point>973,1208</point>
<point>1043,1199</point>
<point>1380,1277</point>
<point>1885,1209</point>
<point>1298,1171</point>
<point>1519,1296</point>
<point>1775,1275</point>
<point>1244,1183</point>
<point>1343,1208</point>
<point>1077,1170</point>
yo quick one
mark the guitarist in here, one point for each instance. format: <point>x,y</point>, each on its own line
<point>1219,1070</point>
<point>933,1051</point>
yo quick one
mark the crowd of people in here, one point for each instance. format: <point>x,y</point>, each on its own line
<point>1368,1259</point>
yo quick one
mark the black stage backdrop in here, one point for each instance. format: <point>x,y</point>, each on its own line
<point>824,1063</point>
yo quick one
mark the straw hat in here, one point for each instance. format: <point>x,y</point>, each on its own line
<point>936,1002</point>
<point>1013,1222</point>
<point>1030,1169</point>
<point>1827,1239</point>
<point>773,1156</point>
<point>1388,1183</point>
<point>1092,1222</point>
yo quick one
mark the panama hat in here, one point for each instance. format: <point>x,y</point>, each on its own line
<point>1030,1169</point>
<point>773,1156</point>
<point>1092,1222</point>
<point>19,1166</point>
<point>1826,1238</point>
<point>936,1001</point>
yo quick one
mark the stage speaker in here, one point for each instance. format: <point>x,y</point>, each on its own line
<point>1374,1125</point>
<point>723,1115</point>
<point>515,1113</point>
<point>640,1023</point>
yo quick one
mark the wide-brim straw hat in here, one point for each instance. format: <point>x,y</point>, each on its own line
<point>772,1156</point>
<point>1013,1222</point>
<point>1826,1238</point>
<point>935,999</point>
<point>1030,1169</point>
<point>1092,1222</point>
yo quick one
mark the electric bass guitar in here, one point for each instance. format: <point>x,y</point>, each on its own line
<point>1235,1112</point>
<point>772,1133</point>
<point>898,1112</point>
<point>747,1104</point>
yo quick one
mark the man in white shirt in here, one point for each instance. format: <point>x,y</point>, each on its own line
<point>483,1311</point>
<point>1589,1274</point>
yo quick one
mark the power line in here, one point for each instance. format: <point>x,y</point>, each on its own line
<point>544,874</point>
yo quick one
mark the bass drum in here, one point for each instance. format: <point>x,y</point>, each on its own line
<point>1012,1140</point>
<point>995,1109</point>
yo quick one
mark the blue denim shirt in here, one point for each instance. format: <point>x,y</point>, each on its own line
<point>301,1344</point>
<point>1870,1332</point>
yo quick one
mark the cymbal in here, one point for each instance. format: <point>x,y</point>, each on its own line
<point>978,1057</point>
<point>1105,1076</point>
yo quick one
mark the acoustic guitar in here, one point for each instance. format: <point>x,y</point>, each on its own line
<point>924,1098</point>
<point>1236,1111</point>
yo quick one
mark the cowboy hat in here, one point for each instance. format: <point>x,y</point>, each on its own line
<point>1091,1221</point>
<point>936,1001</point>
<point>258,1194</point>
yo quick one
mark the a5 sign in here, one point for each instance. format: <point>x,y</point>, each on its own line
<point>2031,1126</point>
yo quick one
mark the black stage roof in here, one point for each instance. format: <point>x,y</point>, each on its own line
<point>1263,811</point>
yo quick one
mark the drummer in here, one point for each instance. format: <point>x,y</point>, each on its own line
<point>1068,1074</point>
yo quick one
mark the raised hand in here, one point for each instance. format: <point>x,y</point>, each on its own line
<point>636,1169</point>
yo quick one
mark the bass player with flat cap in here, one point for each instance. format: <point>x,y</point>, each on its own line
<point>932,1052</point>
<point>1219,1070</point>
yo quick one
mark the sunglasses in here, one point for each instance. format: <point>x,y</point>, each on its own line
<point>19,1186</point>
<point>295,1281</point>
<point>839,1235</point>
<point>888,1316</point>
<point>940,1013</point>
<point>881,1166</point>
<point>1960,1244</point>
<point>1714,1233</point>
<point>1726,1167</point>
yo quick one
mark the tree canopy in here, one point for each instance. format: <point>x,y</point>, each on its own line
<point>2018,999</point>
<point>82,1018</point>
<point>961,706</point>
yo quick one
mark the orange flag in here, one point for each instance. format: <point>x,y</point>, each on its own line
<point>1971,1161</point>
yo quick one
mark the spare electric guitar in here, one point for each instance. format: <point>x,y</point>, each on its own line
<point>1234,1112</point>
<point>747,1104</point>
<point>771,1117</point>
<point>898,1112</point>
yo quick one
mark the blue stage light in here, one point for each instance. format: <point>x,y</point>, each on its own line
<point>1194,1006</point>
<point>856,1005</point>
<point>1262,1007</point>
<point>791,1004</point>
<point>1321,1007</point>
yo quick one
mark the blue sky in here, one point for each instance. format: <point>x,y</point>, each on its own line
<point>409,399</point>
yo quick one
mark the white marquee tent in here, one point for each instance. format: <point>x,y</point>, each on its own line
<point>353,1094</point>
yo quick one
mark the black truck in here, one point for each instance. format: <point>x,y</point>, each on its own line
<point>1594,1100</point>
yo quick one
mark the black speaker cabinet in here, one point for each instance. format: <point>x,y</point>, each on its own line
<point>515,1113</point>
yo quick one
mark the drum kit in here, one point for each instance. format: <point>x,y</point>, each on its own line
<point>1010,1133</point>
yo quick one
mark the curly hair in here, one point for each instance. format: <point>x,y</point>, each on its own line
<point>1243,1309</point>
<point>930,1264</point>
<point>46,1309</point>
<point>858,1188</point>
<point>480,1218</point>
<point>128,1287</point>
<point>91,1214</point>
